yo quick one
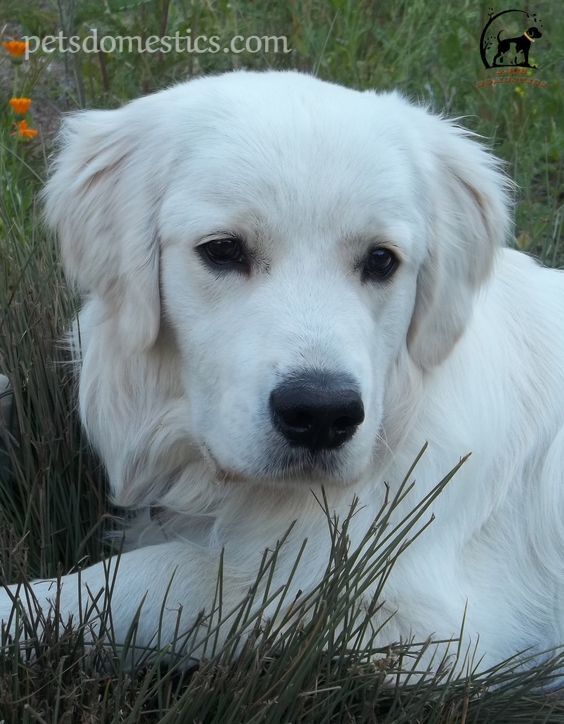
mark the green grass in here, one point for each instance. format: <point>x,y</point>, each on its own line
<point>53,508</point>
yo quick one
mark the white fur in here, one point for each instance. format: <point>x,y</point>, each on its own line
<point>463,348</point>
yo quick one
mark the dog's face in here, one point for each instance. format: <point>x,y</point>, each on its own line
<point>288,273</point>
<point>288,313</point>
<point>302,242</point>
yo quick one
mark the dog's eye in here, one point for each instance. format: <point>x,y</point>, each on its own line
<point>379,264</point>
<point>227,253</point>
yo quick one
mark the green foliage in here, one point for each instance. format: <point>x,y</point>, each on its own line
<point>312,661</point>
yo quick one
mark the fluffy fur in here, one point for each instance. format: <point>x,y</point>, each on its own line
<point>463,347</point>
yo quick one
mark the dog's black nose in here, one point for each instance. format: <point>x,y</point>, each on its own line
<point>317,410</point>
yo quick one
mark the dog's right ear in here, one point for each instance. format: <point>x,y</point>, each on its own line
<point>102,199</point>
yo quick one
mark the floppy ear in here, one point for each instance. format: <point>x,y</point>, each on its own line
<point>467,207</point>
<point>98,201</point>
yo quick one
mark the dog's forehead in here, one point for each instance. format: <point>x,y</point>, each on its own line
<point>294,154</point>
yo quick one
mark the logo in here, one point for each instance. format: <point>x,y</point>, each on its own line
<point>508,39</point>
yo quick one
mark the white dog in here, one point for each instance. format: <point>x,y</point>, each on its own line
<point>290,285</point>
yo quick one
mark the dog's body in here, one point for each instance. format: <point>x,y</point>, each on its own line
<point>294,285</point>
<point>522,45</point>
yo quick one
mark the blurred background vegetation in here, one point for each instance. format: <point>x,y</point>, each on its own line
<point>52,496</point>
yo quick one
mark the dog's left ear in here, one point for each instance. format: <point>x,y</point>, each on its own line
<point>466,196</point>
<point>102,199</point>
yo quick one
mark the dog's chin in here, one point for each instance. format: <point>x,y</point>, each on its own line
<point>290,469</point>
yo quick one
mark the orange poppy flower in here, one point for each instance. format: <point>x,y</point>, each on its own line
<point>15,48</point>
<point>20,106</point>
<point>24,131</point>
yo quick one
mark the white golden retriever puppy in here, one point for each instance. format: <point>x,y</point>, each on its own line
<point>288,285</point>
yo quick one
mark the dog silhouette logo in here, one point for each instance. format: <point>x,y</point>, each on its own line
<point>508,38</point>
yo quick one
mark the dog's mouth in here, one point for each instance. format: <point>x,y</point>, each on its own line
<point>288,466</point>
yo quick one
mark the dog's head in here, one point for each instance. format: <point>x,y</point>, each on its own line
<point>285,249</point>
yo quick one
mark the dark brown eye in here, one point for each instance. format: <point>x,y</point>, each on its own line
<point>225,254</point>
<point>379,264</point>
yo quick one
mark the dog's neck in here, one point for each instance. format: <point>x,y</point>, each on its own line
<point>526,34</point>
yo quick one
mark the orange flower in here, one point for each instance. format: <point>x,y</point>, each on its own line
<point>24,131</point>
<point>20,106</point>
<point>15,48</point>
